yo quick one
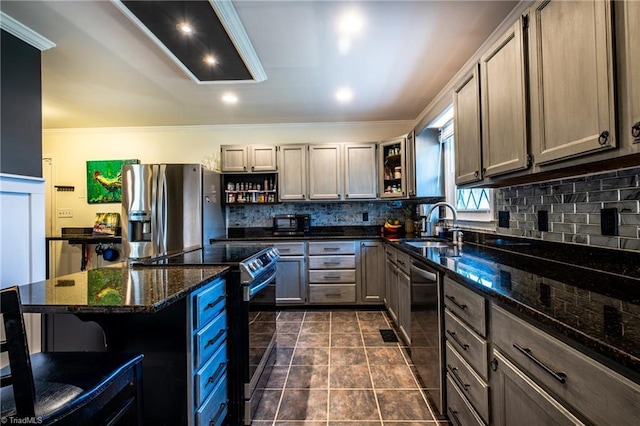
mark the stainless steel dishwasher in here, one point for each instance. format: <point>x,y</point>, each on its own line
<point>427,349</point>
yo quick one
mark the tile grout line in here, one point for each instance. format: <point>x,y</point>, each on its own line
<point>373,386</point>
<point>284,386</point>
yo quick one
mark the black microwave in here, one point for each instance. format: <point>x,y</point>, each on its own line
<point>291,224</point>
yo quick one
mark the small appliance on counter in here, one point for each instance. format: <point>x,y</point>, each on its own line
<point>169,208</point>
<point>291,224</point>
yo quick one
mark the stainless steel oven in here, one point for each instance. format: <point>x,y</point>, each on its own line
<point>427,350</point>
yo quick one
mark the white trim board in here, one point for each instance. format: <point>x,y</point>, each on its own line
<point>24,33</point>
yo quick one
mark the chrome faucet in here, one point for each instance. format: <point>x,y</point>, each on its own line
<point>427,219</point>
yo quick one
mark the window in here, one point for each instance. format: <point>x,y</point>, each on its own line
<point>473,204</point>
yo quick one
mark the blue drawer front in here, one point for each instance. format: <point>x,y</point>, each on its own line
<point>208,339</point>
<point>208,302</point>
<point>214,409</point>
<point>209,374</point>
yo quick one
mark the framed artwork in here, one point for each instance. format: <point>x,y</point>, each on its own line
<point>104,180</point>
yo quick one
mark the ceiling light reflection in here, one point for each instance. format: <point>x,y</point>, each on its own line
<point>344,95</point>
<point>185,28</point>
<point>229,98</point>
<point>350,23</point>
<point>210,60</point>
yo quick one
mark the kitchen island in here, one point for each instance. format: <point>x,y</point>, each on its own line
<point>154,311</point>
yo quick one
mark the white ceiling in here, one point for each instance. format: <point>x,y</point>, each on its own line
<point>104,72</point>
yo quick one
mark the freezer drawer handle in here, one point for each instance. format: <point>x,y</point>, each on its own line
<point>559,376</point>
<point>455,337</point>
<point>455,302</point>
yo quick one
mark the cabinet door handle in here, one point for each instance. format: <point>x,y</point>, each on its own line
<point>458,379</point>
<point>454,416</point>
<point>604,138</point>
<point>635,132</point>
<point>476,174</point>
<point>559,376</point>
<point>453,300</point>
<point>455,337</point>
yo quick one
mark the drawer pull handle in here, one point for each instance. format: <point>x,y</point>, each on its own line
<point>216,337</point>
<point>455,302</point>
<point>331,277</point>
<point>455,337</point>
<point>214,303</point>
<point>218,413</point>
<point>559,376</point>
<point>212,378</point>
<point>333,295</point>
<point>454,416</point>
<point>457,378</point>
<point>331,248</point>
<point>283,249</point>
<point>331,263</point>
<point>400,262</point>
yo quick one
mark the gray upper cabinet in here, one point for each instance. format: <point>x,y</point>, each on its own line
<point>503,108</point>
<point>360,176</point>
<point>466,110</point>
<point>628,48</point>
<point>292,175</point>
<point>325,172</point>
<point>571,79</point>
<point>248,158</point>
<point>392,181</point>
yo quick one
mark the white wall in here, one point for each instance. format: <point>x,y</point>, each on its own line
<point>71,148</point>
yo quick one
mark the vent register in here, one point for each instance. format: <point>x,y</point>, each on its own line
<point>217,31</point>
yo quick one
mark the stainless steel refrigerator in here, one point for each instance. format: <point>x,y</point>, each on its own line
<point>169,208</point>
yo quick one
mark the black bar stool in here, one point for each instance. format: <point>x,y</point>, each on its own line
<point>65,388</point>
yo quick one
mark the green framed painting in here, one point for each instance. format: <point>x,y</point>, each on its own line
<point>104,180</point>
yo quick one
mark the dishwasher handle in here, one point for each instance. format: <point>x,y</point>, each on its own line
<point>428,275</point>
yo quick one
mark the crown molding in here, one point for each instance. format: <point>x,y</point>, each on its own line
<point>24,33</point>
<point>231,22</point>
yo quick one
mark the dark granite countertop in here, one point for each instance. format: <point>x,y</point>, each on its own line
<point>116,289</point>
<point>592,304</point>
<point>316,233</point>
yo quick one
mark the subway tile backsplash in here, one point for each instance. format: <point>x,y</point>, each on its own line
<point>322,214</point>
<point>573,208</point>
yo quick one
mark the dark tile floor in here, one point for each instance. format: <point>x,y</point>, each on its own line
<point>333,368</point>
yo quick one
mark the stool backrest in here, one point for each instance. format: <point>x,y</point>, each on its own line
<point>17,349</point>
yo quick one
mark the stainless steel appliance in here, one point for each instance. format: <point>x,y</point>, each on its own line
<point>251,309</point>
<point>169,208</point>
<point>427,349</point>
<point>291,224</point>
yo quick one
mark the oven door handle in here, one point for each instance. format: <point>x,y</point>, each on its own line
<point>251,290</point>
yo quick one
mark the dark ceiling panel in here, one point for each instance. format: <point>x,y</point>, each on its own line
<point>209,37</point>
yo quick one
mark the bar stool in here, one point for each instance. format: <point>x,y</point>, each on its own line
<point>64,388</point>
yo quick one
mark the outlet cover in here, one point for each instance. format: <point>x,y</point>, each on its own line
<point>365,216</point>
<point>503,219</point>
<point>609,221</point>
<point>543,221</point>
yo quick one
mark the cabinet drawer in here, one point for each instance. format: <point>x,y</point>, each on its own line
<point>207,340</point>
<point>403,261</point>
<point>332,262</point>
<point>208,302</point>
<point>214,410</point>
<point>208,375</point>
<point>390,252</point>
<point>466,304</point>
<point>471,385</point>
<point>336,247</point>
<point>290,249</point>
<point>332,294</point>
<point>458,409</point>
<point>333,276</point>
<point>472,347</point>
<point>602,395</point>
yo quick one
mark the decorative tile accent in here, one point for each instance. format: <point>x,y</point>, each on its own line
<point>574,208</point>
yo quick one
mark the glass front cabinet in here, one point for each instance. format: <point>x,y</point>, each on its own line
<point>392,168</point>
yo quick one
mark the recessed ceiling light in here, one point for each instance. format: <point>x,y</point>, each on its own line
<point>350,23</point>
<point>210,60</point>
<point>185,28</point>
<point>344,95</point>
<point>229,98</point>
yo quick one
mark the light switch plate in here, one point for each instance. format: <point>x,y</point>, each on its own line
<point>65,212</point>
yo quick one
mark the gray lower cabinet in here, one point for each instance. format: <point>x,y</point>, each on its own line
<point>391,294</point>
<point>404,306</point>
<point>518,400</point>
<point>291,274</point>
<point>372,271</point>
<point>332,272</point>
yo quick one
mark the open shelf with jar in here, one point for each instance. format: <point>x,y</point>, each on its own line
<point>251,189</point>
<point>392,161</point>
